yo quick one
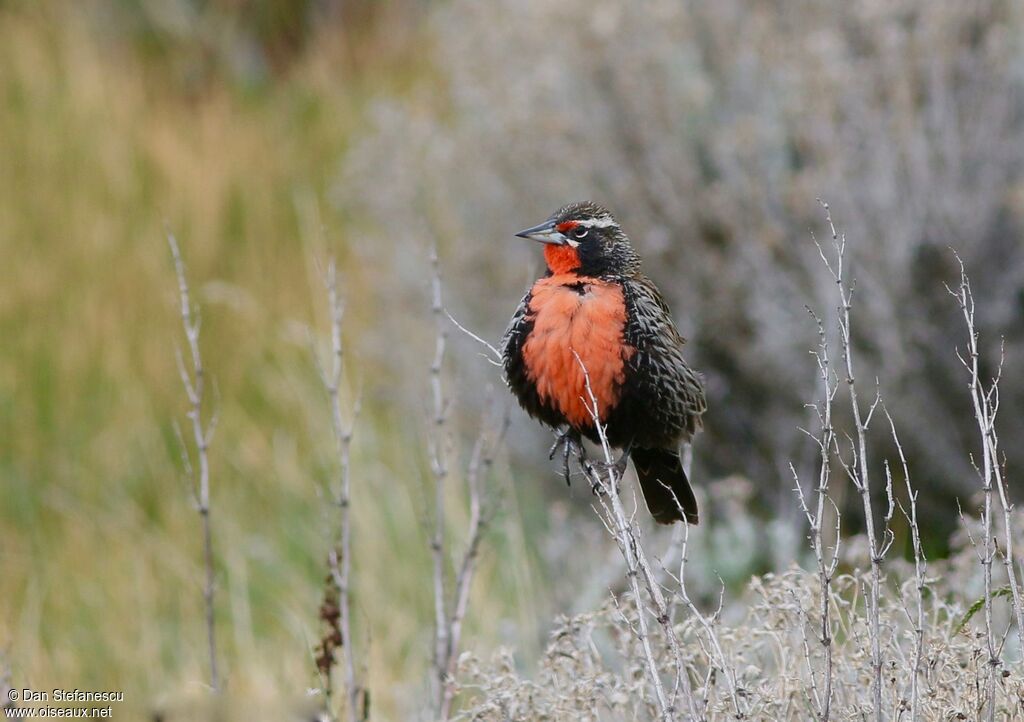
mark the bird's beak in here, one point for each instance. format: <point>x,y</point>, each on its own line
<point>544,233</point>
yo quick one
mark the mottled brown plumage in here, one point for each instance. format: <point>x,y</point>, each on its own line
<point>594,302</point>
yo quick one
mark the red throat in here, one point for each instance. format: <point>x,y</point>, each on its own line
<point>561,259</point>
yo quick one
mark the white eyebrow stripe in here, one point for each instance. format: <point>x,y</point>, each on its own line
<point>602,222</point>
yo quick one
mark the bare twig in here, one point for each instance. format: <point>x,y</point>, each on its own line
<point>717,654</point>
<point>340,554</point>
<point>986,406</point>
<point>449,615</point>
<point>480,462</point>
<point>194,382</point>
<point>966,301</point>
<point>825,441</point>
<point>920,568</point>
<point>627,537</point>
<point>493,355</point>
<point>439,466</point>
<point>857,469</point>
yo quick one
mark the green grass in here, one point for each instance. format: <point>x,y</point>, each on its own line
<point>99,547</point>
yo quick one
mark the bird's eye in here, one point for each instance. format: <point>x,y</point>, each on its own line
<point>581,232</point>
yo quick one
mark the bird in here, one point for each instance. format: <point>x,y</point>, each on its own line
<point>595,316</point>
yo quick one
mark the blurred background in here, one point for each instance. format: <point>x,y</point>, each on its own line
<point>271,134</point>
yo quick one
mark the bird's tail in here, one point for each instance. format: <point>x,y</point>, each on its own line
<point>665,486</point>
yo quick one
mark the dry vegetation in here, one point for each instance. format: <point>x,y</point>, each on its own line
<point>859,555</point>
<point>862,637</point>
<point>710,128</point>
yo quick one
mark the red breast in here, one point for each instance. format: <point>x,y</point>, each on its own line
<point>587,316</point>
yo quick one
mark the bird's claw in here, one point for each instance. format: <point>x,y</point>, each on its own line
<point>597,470</point>
<point>568,441</point>
<point>600,479</point>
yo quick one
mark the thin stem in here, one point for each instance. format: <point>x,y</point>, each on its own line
<point>340,555</point>
<point>858,469</point>
<point>449,625</point>
<point>627,538</point>
<point>481,460</point>
<point>826,567</point>
<point>986,406</point>
<point>439,466</point>
<point>920,568</point>
<point>194,383</point>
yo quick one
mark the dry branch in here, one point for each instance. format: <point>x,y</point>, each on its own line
<point>195,386</point>
<point>917,618</point>
<point>449,614</point>
<point>340,553</point>
<point>985,402</point>
<point>825,441</point>
<point>439,466</point>
<point>627,536</point>
<point>857,468</point>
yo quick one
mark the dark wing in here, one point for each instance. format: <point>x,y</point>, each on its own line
<point>662,398</point>
<point>516,375</point>
<point>516,333</point>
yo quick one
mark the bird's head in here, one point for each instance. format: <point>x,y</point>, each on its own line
<point>585,239</point>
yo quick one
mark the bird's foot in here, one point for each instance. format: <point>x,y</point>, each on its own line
<point>569,442</point>
<point>603,474</point>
